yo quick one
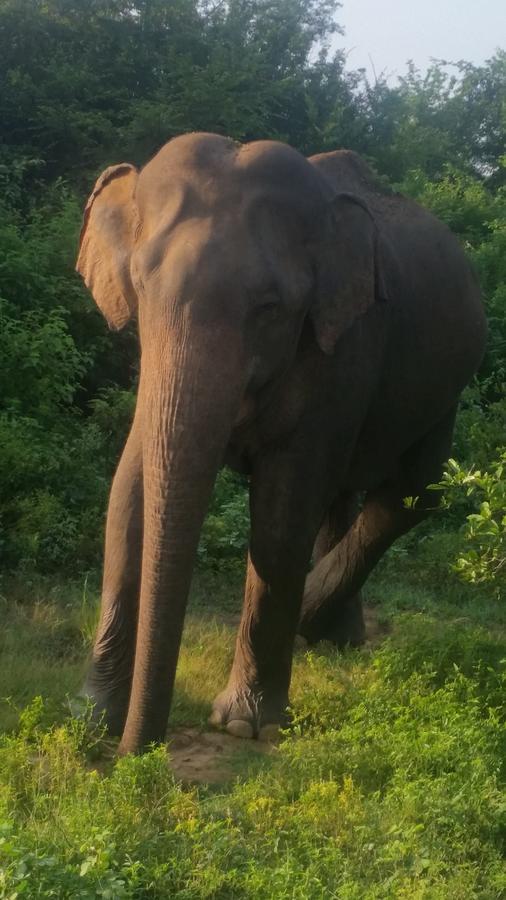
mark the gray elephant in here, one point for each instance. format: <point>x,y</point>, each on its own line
<point>304,325</point>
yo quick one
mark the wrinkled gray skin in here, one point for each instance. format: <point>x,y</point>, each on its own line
<point>308,328</point>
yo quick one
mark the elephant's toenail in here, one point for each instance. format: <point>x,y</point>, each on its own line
<point>215,719</point>
<point>240,728</point>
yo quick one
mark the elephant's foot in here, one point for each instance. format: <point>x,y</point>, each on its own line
<point>249,713</point>
<point>341,622</point>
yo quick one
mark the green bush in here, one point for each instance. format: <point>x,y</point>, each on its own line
<point>57,522</point>
<point>225,533</point>
<point>483,555</point>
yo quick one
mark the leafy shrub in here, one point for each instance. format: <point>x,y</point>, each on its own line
<point>57,522</point>
<point>489,258</point>
<point>461,200</point>
<point>225,533</point>
<point>483,558</point>
<point>480,426</point>
<point>59,433</point>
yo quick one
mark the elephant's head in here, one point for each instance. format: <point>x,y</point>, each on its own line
<point>223,251</point>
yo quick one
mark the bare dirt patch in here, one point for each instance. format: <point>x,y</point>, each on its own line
<point>208,757</point>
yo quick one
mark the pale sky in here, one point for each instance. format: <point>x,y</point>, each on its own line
<point>393,31</point>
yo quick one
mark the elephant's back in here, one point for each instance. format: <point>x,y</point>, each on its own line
<point>437,329</point>
<point>435,294</point>
<point>409,227</point>
<point>436,325</point>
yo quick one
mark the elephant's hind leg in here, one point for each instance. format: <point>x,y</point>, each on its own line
<point>384,517</point>
<point>345,624</point>
<point>109,677</point>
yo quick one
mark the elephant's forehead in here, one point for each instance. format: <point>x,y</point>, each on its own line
<point>205,154</point>
<point>216,171</point>
<point>213,154</point>
<point>274,163</point>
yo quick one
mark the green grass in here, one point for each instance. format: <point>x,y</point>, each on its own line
<point>389,785</point>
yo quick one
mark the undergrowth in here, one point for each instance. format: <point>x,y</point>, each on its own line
<point>389,783</point>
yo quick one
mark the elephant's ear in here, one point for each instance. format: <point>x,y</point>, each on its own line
<point>106,244</point>
<point>351,269</point>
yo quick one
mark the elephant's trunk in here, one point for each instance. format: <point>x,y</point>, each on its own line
<point>190,391</point>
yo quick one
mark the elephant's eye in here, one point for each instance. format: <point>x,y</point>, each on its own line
<point>269,310</point>
<point>269,307</point>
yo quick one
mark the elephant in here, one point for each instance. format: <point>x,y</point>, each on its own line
<point>304,325</point>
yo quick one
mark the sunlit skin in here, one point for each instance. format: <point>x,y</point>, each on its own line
<point>308,328</point>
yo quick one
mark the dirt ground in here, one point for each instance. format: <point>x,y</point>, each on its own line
<point>209,757</point>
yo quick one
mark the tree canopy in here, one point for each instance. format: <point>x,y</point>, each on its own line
<point>88,83</point>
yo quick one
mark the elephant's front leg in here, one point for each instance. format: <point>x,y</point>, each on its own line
<point>284,521</point>
<point>255,699</point>
<point>109,677</point>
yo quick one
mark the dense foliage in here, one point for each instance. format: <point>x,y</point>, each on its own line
<point>85,84</point>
